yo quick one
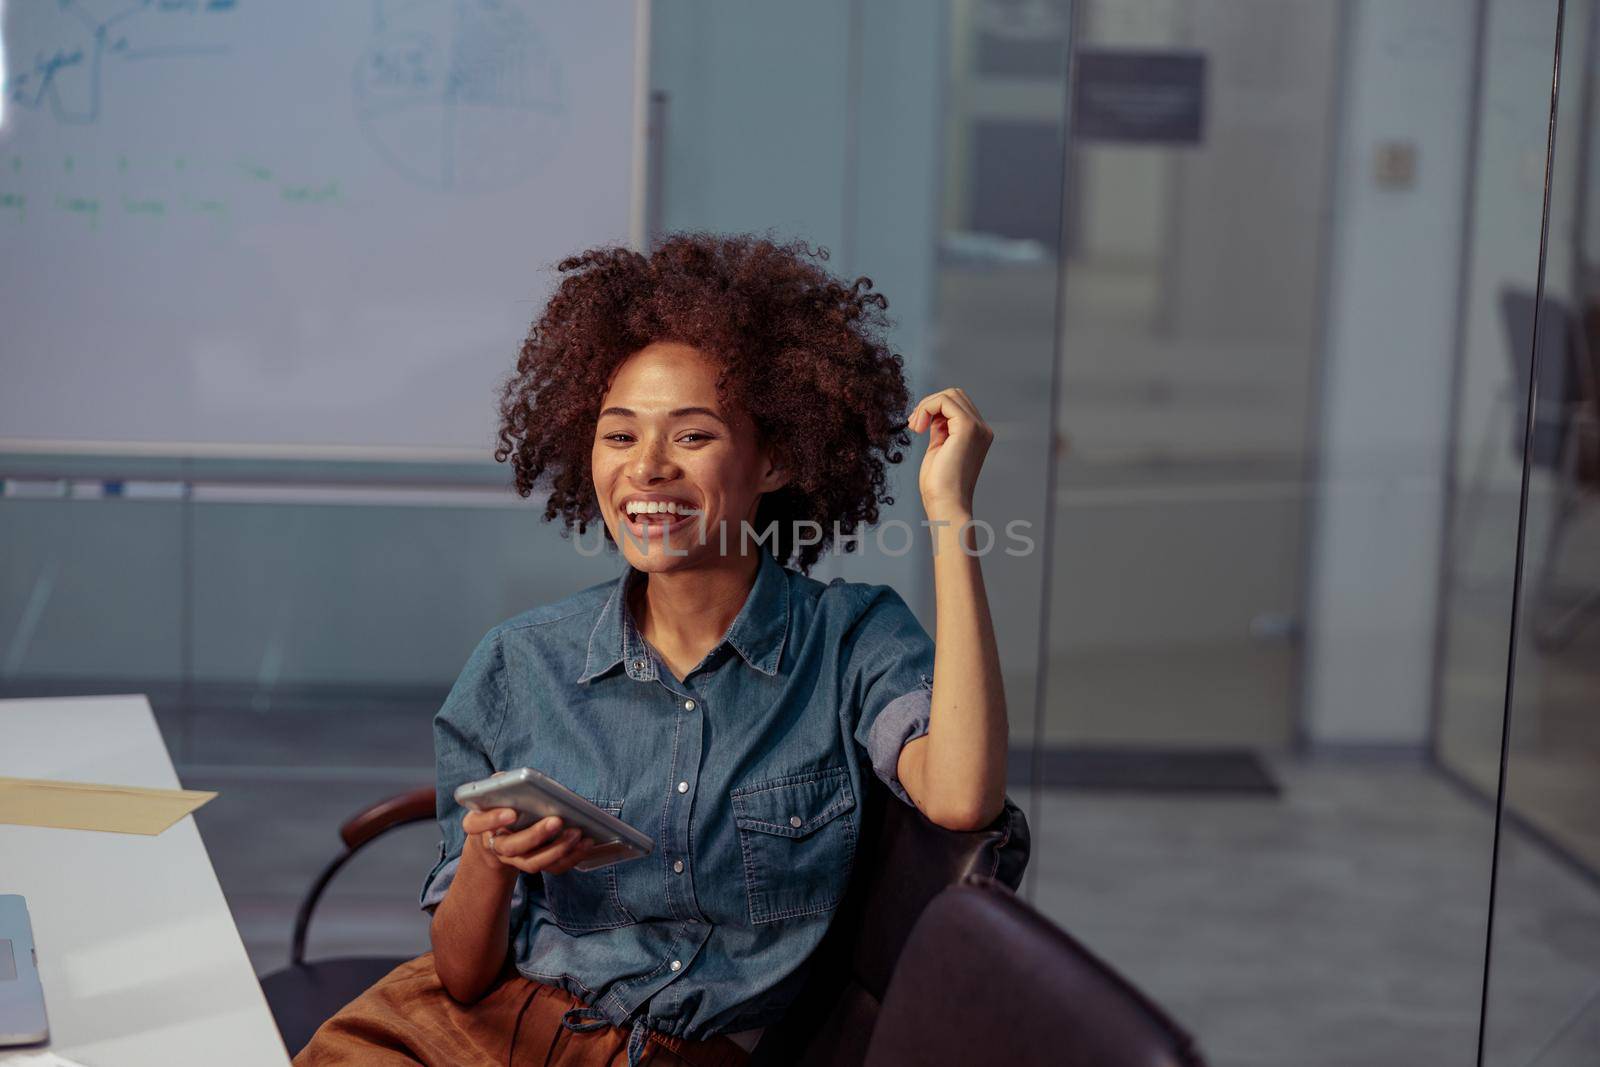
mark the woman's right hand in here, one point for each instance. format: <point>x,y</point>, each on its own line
<point>540,848</point>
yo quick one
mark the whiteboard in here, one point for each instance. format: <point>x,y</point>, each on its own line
<point>298,227</point>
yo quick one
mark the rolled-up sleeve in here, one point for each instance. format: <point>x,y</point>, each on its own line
<point>889,679</point>
<point>466,730</point>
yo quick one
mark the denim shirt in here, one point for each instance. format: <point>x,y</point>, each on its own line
<point>747,774</point>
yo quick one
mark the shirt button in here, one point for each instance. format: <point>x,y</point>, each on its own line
<point>677,965</point>
<point>794,820</point>
<point>638,664</point>
<point>683,787</point>
<point>688,705</point>
<point>677,865</point>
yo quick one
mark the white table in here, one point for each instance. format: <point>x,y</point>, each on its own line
<point>139,956</point>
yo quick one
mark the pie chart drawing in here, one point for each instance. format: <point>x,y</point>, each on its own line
<point>462,96</point>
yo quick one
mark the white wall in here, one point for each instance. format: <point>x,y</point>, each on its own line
<point>1390,365</point>
<point>1387,375</point>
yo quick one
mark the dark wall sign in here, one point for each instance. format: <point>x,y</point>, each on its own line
<point>1138,97</point>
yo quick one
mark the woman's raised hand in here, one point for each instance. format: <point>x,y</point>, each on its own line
<point>958,439</point>
<point>540,848</point>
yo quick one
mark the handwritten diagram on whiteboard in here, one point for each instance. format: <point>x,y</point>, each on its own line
<point>460,95</point>
<point>78,44</point>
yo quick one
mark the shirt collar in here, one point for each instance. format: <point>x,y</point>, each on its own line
<point>757,633</point>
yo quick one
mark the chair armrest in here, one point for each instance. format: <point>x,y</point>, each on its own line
<point>416,805</point>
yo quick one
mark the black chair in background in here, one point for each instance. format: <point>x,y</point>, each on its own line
<point>1565,442</point>
<point>1558,372</point>
<point>903,862</point>
<point>985,978</point>
<point>1558,615</point>
<point>304,995</point>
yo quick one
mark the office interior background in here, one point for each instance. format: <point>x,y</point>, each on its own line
<point>1304,665</point>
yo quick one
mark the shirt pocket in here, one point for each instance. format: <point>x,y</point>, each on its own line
<point>587,900</point>
<point>798,842</point>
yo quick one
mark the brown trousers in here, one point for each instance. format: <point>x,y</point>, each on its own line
<point>406,1017</point>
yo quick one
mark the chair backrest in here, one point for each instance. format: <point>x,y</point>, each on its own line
<point>987,979</point>
<point>903,861</point>
<point>1558,370</point>
<point>1587,335</point>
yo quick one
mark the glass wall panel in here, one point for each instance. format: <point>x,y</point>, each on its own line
<point>1281,222</point>
<point>1190,330</point>
<point>1543,1002</point>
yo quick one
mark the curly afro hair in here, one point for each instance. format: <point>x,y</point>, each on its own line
<point>801,352</point>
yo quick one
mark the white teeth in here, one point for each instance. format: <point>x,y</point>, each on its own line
<point>656,507</point>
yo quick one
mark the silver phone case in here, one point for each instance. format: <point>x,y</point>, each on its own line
<point>538,796</point>
<point>22,1018</point>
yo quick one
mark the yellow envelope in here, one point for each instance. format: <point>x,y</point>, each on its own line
<point>122,809</point>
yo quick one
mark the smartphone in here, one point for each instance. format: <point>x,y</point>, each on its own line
<point>538,796</point>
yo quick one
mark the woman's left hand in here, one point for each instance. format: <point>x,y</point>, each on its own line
<point>958,439</point>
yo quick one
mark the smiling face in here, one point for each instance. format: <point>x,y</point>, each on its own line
<point>670,459</point>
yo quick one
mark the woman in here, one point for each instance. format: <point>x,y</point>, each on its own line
<point>724,406</point>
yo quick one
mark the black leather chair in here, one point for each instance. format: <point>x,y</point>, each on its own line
<point>1565,442</point>
<point>902,862</point>
<point>304,995</point>
<point>984,978</point>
